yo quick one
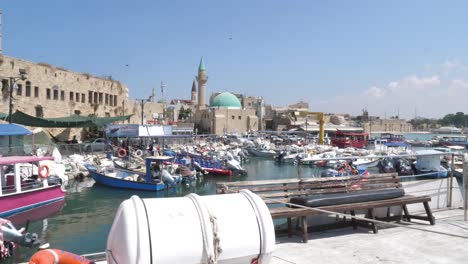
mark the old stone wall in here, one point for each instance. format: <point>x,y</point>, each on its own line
<point>51,91</point>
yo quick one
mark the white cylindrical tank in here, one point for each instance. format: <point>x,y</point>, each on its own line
<point>228,228</point>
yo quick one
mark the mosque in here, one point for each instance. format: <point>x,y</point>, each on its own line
<point>224,113</point>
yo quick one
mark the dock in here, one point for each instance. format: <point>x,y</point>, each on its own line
<point>390,245</point>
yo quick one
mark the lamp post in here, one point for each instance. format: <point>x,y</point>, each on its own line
<point>142,104</point>
<point>22,76</point>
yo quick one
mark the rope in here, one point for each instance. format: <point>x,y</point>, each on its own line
<point>212,248</point>
<point>367,219</point>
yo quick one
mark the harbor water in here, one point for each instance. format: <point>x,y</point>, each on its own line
<point>81,224</point>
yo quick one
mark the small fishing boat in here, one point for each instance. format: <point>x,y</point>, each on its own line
<point>25,184</point>
<point>429,165</point>
<point>151,180</point>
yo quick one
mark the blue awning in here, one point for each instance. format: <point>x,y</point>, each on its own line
<point>13,130</point>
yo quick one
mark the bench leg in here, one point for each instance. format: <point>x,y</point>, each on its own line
<point>429,213</point>
<point>305,237</point>
<point>406,214</point>
<point>289,227</point>
<point>353,220</point>
<point>371,216</point>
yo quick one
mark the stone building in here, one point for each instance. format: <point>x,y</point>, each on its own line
<point>226,115</point>
<point>387,125</point>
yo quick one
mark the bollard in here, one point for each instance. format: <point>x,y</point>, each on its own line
<point>450,182</point>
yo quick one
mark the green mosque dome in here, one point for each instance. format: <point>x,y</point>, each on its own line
<point>226,99</point>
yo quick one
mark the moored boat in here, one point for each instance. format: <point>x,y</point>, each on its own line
<point>151,180</point>
<point>21,189</point>
<point>350,139</point>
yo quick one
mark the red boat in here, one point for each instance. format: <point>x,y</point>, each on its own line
<point>350,139</point>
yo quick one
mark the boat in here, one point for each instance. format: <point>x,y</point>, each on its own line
<point>448,141</point>
<point>125,179</point>
<point>25,185</point>
<point>350,139</point>
<point>428,164</point>
<point>447,130</point>
<point>263,152</point>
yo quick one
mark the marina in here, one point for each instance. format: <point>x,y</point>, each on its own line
<point>89,208</point>
<point>247,132</point>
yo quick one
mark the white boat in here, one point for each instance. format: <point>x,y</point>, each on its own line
<point>262,152</point>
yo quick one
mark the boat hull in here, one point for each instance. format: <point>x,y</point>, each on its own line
<point>125,184</point>
<point>260,153</point>
<point>11,204</point>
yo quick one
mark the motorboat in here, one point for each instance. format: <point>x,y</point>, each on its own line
<point>155,178</point>
<point>26,183</point>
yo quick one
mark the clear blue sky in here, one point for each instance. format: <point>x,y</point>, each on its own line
<point>340,56</point>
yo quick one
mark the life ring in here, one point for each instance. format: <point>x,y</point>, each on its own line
<point>138,153</point>
<point>41,173</point>
<point>121,153</point>
<point>58,256</point>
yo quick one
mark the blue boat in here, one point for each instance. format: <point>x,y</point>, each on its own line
<point>124,179</point>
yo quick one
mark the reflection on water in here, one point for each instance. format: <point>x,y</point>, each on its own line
<point>82,223</point>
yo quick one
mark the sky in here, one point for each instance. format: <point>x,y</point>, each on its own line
<point>406,58</point>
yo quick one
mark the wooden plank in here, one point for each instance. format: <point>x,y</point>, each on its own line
<point>317,185</point>
<point>281,181</point>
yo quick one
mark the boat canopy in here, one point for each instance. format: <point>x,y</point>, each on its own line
<point>22,159</point>
<point>13,130</point>
<point>65,122</point>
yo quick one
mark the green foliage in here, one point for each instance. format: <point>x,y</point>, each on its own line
<point>184,113</point>
<point>458,119</point>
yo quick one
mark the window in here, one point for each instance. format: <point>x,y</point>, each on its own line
<point>36,91</point>
<point>55,94</point>
<point>90,97</point>
<point>48,93</point>
<point>71,96</point>
<point>83,99</point>
<point>28,89</point>
<point>62,95</point>
<point>111,102</point>
<point>115,100</point>
<point>20,89</point>
<point>106,101</point>
<point>233,117</point>
<point>100,98</point>
<point>95,97</point>
<point>39,111</point>
<point>5,90</point>
<point>240,117</point>
<point>77,97</point>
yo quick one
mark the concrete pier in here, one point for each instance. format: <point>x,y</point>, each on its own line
<point>390,245</point>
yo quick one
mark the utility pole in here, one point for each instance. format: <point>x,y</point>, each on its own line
<point>142,110</point>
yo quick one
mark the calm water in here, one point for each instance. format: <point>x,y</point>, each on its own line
<point>83,223</point>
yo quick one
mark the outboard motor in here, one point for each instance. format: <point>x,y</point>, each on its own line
<point>54,180</point>
<point>10,233</point>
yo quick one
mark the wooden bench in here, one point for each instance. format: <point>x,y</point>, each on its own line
<point>277,192</point>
